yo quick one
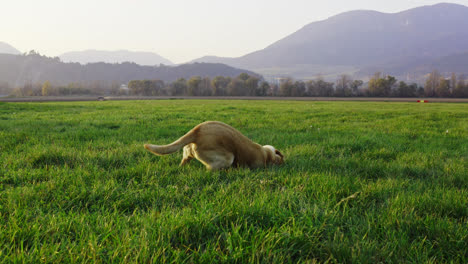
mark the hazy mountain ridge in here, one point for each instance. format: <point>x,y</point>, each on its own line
<point>366,39</point>
<point>358,43</point>
<point>6,48</point>
<point>118,56</point>
<point>19,69</point>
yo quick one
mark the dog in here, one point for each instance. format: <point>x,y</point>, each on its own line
<point>218,145</point>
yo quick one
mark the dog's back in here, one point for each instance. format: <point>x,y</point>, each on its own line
<point>220,136</point>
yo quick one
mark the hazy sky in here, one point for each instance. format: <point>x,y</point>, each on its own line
<point>179,30</point>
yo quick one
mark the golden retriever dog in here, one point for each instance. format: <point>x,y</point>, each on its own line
<point>218,146</point>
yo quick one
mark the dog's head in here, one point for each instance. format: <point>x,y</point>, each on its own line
<point>273,156</point>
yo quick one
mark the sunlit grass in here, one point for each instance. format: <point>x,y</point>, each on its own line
<point>362,183</point>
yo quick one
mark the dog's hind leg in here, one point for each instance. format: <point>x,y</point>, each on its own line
<point>188,155</point>
<point>215,160</point>
<point>184,161</point>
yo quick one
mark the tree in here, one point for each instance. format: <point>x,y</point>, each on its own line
<point>461,89</point>
<point>405,90</point>
<point>193,86</point>
<point>236,87</point>
<point>379,86</point>
<point>156,87</point>
<point>342,86</point>
<point>420,91</point>
<point>402,89</point>
<point>243,76</point>
<point>26,90</point>
<point>147,89</point>
<point>286,87</point>
<point>252,85</point>
<point>205,87</point>
<point>311,88</point>
<point>274,90</point>
<point>413,90</point>
<point>263,89</point>
<point>32,53</point>
<point>179,87</point>
<point>298,89</point>
<point>432,82</point>
<point>46,88</point>
<point>5,88</point>
<point>242,85</point>
<point>319,87</point>
<point>374,87</point>
<point>443,88</point>
<point>453,82</point>
<point>355,87</point>
<point>135,87</point>
<point>219,85</point>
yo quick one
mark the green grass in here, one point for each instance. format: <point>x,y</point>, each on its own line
<point>362,183</point>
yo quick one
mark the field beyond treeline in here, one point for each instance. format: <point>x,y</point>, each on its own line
<point>363,182</point>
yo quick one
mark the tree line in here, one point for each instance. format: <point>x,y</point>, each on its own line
<point>438,86</point>
<point>49,89</point>
<point>242,85</point>
<point>379,85</point>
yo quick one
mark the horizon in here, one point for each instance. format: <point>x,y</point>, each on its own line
<point>241,27</point>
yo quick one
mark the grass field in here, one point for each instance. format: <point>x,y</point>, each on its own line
<point>363,182</point>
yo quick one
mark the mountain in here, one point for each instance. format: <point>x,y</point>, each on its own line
<point>361,39</point>
<point>8,49</point>
<point>16,70</point>
<point>452,63</point>
<point>119,56</point>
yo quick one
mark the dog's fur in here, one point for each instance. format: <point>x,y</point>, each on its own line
<point>218,146</point>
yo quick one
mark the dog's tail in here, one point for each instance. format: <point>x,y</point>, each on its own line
<point>174,146</point>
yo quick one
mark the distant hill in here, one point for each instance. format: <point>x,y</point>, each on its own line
<point>452,63</point>
<point>19,69</point>
<point>364,39</point>
<point>8,49</point>
<point>119,56</point>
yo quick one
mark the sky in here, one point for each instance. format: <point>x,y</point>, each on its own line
<point>179,30</point>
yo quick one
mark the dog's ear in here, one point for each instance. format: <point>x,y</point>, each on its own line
<point>277,152</point>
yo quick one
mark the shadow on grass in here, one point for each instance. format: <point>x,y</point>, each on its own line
<point>48,159</point>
